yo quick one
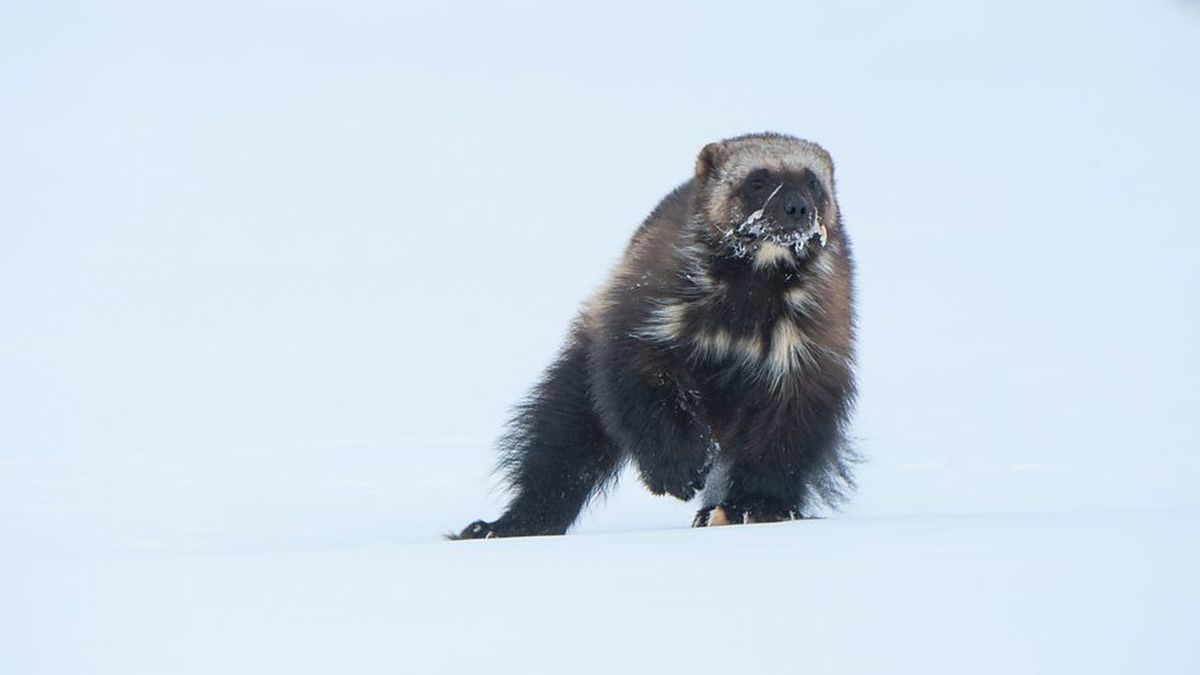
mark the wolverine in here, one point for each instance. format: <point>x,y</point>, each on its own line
<point>718,358</point>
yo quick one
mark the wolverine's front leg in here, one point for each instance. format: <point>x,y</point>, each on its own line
<point>769,474</point>
<point>740,513</point>
<point>647,404</point>
<point>766,488</point>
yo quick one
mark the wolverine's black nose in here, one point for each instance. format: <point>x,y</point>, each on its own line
<point>795,210</point>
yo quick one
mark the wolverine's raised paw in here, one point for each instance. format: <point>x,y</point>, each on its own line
<point>730,514</point>
<point>662,482</point>
<point>476,530</point>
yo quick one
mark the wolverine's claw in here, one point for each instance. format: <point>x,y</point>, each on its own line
<point>477,530</point>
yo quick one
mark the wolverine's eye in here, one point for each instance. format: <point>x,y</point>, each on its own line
<point>812,183</point>
<point>757,181</point>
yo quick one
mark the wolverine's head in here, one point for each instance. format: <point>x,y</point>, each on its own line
<point>765,195</point>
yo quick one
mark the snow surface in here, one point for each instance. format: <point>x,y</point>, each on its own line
<point>271,275</point>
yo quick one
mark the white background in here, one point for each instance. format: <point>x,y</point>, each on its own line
<point>271,275</point>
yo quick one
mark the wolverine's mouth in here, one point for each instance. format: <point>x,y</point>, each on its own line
<point>759,227</point>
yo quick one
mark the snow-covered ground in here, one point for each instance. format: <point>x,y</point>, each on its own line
<point>272,273</point>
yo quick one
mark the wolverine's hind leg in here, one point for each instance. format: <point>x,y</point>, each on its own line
<point>556,454</point>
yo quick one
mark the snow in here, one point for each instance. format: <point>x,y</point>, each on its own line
<point>270,278</point>
<point>324,558</point>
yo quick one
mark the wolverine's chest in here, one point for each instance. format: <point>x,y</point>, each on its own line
<point>764,329</point>
<point>765,347</point>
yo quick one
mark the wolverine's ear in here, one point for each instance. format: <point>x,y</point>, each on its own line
<point>709,160</point>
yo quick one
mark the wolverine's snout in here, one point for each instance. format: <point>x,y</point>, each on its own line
<point>794,210</point>
<point>797,210</point>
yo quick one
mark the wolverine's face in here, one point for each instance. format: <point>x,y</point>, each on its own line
<point>766,191</point>
<point>782,206</point>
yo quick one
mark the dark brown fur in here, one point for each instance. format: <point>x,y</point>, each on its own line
<point>720,353</point>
